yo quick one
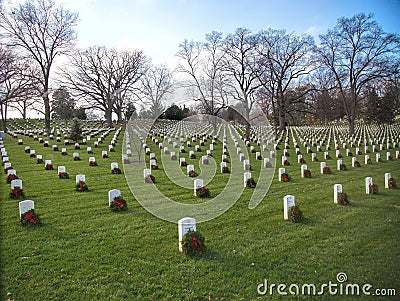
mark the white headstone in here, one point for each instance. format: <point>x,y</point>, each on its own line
<point>16,183</point>
<point>246,164</point>
<point>241,157</point>
<point>11,172</point>
<point>388,176</point>
<point>25,206</point>
<point>246,176</point>
<point>299,157</point>
<point>184,226</point>
<point>211,147</point>
<point>75,155</point>
<point>114,165</point>
<point>80,178</point>
<point>378,157</point>
<point>302,169</point>
<point>146,172</point>
<point>353,161</point>
<point>89,149</point>
<point>189,168</point>
<point>339,164</point>
<point>204,159</point>
<point>281,172</point>
<point>288,202</point>
<point>112,194</point>
<point>61,169</point>
<point>266,162</point>
<point>223,164</point>
<point>368,184</point>
<point>387,156</point>
<point>198,183</point>
<point>153,162</point>
<point>283,160</point>
<point>47,162</point>
<point>32,152</point>
<point>337,188</point>
<point>92,159</point>
<point>63,150</point>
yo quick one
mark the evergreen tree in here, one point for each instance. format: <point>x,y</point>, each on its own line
<point>76,131</point>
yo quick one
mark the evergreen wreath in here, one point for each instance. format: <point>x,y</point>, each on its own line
<point>119,204</point>
<point>116,171</point>
<point>251,183</point>
<point>150,179</point>
<point>343,199</point>
<point>193,243</point>
<point>81,186</point>
<point>295,214</point>
<point>203,192</point>
<point>17,193</point>
<point>30,218</point>
<point>63,175</point>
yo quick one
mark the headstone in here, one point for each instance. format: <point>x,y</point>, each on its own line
<point>80,178</point>
<point>146,172</point>
<point>211,147</point>
<point>302,169</point>
<point>114,165</point>
<point>339,164</point>
<point>378,157</point>
<point>266,162</point>
<point>185,225</point>
<point>337,153</point>
<point>198,183</point>
<point>353,161</point>
<point>25,206</point>
<point>326,154</point>
<point>323,165</point>
<point>11,172</point>
<point>32,152</point>
<point>189,168</point>
<point>366,159</point>
<point>337,188</point>
<point>368,185</point>
<point>16,183</point>
<point>299,157</point>
<point>313,157</point>
<point>281,171</point>
<point>60,169</point>
<point>288,202</point>
<point>112,194</point>
<point>75,155</point>
<point>238,150</point>
<point>241,157</point>
<point>89,149</point>
<point>92,159</point>
<point>388,156</point>
<point>246,164</point>
<point>246,176</point>
<point>283,160</point>
<point>388,176</point>
<point>204,160</point>
<point>223,164</point>
<point>272,154</point>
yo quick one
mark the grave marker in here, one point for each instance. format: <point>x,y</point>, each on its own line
<point>185,225</point>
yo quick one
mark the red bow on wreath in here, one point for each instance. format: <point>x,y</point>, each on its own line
<point>295,211</point>
<point>12,177</point>
<point>15,192</point>
<point>29,217</point>
<point>195,243</point>
<point>80,186</point>
<point>118,203</point>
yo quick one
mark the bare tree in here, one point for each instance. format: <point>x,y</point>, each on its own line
<point>44,31</point>
<point>358,52</point>
<point>203,63</point>
<point>18,82</point>
<point>156,86</point>
<point>105,78</point>
<point>240,62</point>
<point>285,60</point>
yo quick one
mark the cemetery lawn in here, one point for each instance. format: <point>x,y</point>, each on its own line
<point>83,251</point>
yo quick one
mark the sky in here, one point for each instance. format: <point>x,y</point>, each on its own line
<point>157,27</point>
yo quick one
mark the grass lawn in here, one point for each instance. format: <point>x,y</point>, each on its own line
<point>83,251</point>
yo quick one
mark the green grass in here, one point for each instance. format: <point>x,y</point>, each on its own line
<point>83,251</point>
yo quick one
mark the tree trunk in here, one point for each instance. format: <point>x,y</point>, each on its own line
<point>46,112</point>
<point>4,117</point>
<point>351,125</point>
<point>108,115</point>
<point>282,122</point>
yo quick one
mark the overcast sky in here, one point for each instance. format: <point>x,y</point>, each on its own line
<point>158,26</point>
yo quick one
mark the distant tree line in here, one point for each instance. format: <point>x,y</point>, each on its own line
<point>351,74</point>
